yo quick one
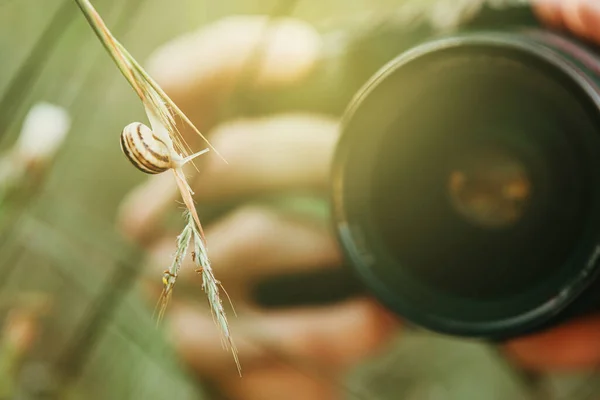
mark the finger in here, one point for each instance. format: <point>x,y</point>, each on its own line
<point>289,151</point>
<point>582,17</point>
<point>141,213</point>
<point>198,69</point>
<point>590,14</point>
<point>335,337</point>
<point>278,153</point>
<point>573,346</point>
<point>549,11</point>
<point>269,383</point>
<point>254,242</point>
<point>572,14</point>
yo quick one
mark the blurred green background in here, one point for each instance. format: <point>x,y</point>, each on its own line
<point>64,244</point>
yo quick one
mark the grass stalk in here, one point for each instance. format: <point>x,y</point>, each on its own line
<point>161,112</point>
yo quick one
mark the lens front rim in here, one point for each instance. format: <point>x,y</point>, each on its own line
<point>364,254</point>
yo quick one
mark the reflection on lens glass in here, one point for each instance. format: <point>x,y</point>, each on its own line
<point>489,188</point>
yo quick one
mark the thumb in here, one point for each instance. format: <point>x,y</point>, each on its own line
<point>199,69</point>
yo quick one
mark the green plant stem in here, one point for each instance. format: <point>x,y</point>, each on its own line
<point>109,42</point>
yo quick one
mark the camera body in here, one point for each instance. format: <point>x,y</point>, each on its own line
<point>466,183</point>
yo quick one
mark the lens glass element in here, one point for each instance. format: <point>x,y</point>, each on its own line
<point>478,189</point>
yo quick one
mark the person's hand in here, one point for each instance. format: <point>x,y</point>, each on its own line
<point>293,354</point>
<point>277,154</point>
<point>577,344</point>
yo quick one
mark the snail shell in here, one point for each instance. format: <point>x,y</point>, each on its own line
<point>146,151</point>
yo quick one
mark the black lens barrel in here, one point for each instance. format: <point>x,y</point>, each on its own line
<point>531,95</point>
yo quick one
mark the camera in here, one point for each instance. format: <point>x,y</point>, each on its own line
<point>465,187</point>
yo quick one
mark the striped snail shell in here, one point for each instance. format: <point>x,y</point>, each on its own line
<point>146,151</point>
<point>149,153</point>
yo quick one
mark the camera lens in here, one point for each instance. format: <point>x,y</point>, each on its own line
<point>465,183</point>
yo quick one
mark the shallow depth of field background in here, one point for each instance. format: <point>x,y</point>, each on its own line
<point>65,245</point>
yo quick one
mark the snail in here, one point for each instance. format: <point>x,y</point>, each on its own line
<point>149,153</point>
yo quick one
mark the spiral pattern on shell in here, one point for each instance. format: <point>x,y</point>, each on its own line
<point>144,149</point>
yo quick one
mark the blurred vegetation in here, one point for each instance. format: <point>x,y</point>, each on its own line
<point>64,244</point>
